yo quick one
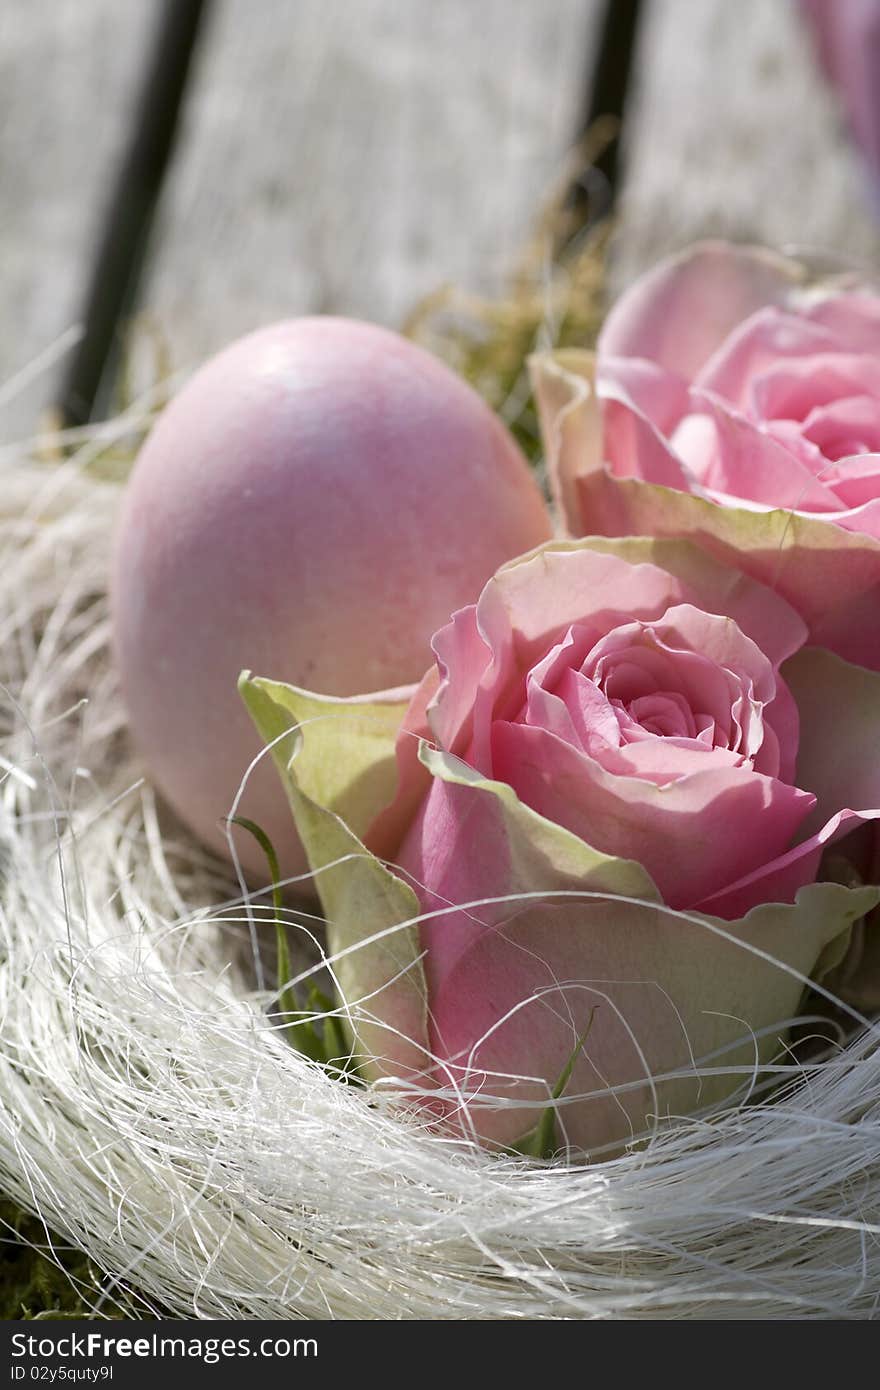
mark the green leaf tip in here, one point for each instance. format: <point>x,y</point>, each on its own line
<point>299,1026</point>
<point>543,1141</point>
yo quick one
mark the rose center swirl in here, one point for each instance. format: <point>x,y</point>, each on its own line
<point>642,682</point>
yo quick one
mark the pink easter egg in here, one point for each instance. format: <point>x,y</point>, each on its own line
<point>313,505</point>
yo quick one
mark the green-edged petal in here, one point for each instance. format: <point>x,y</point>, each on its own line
<point>571,424</point>
<point>335,763</point>
<point>537,853</point>
<point>688,1008</point>
<point>692,1001</point>
<point>346,759</point>
<point>829,575</point>
<point>763,615</point>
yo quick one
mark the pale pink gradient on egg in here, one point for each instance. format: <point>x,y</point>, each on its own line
<point>315,503</point>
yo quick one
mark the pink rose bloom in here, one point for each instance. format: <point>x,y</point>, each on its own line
<point>638,712</point>
<point>614,730</point>
<point>847,38</point>
<point>734,402</point>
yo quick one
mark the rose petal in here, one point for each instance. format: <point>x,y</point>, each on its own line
<point>665,760</point>
<point>694,835</point>
<point>853,317</point>
<point>749,463</point>
<point>566,656</point>
<point>668,715</point>
<point>657,995</point>
<point>782,878</point>
<point>778,755</point>
<point>828,572</point>
<point>463,657</point>
<point>790,434</point>
<point>386,830</point>
<point>529,605</point>
<point>856,481</point>
<point>679,313</point>
<point>474,839</point>
<point>759,343</point>
<point>791,390</point>
<point>849,426</point>
<point>570,417</point>
<point>751,681</point>
<point>656,394</point>
<point>715,667</point>
<point>718,639</point>
<point>632,661</point>
<point>573,708</point>
<point>863,521</point>
<point>632,445</point>
<point>695,441</point>
<point>518,988</point>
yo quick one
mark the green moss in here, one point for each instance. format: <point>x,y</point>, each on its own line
<point>488,341</point>
<point>33,1282</point>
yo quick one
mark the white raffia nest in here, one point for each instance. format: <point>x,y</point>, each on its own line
<point>151,1116</point>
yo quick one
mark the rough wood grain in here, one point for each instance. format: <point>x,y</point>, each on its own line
<point>68,76</point>
<point>349,158</point>
<point>732,133</point>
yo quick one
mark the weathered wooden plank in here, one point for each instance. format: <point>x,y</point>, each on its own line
<point>349,158</point>
<point>734,134</point>
<point>68,75</point>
